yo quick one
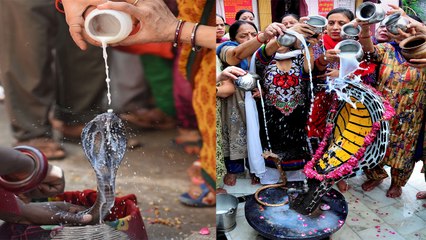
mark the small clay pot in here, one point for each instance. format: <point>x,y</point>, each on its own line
<point>413,47</point>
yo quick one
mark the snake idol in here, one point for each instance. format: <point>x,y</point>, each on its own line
<point>356,138</point>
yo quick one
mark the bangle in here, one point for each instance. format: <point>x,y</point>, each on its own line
<point>35,178</point>
<point>319,62</point>
<point>364,37</point>
<point>194,47</point>
<point>257,38</point>
<point>178,31</point>
<point>59,6</point>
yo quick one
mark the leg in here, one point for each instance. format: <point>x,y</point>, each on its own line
<point>375,177</point>
<point>343,186</point>
<point>421,195</point>
<point>233,167</point>
<point>27,76</point>
<point>399,179</point>
<point>81,83</point>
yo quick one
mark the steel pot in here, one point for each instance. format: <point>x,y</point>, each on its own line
<point>370,12</point>
<point>350,46</point>
<point>349,31</point>
<point>247,82</point>
<point>318,22</point>
<point>394,22</point>
<point>226,211</point>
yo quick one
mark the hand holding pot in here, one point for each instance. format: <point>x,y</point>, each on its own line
<point>417,62</point>
<point>74,12</point>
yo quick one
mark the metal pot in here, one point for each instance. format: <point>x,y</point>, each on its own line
<point>349,31</point>
<point>287,39</point>
<point>395,21</point>
<point>350,46</point>
<point>226,210</point>
<point>370,12</point>
<point>318,22</point>
<point>247,82</point>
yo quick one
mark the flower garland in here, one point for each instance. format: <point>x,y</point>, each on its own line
<point>348,166</point>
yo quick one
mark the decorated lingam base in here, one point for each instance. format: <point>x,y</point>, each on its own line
<point>356,138</point>
<point>283,222</point>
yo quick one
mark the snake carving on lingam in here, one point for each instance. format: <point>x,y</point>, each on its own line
<point>104,143</point>
<point>356,138</point>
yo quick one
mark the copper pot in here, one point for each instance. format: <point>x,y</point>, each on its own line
<point>413,47</point>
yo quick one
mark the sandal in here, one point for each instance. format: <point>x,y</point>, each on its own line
<point>51,149</point>
<point>187,199</point>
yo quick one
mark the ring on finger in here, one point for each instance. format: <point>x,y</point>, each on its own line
<point>135,2</point>
<point>75,25</point>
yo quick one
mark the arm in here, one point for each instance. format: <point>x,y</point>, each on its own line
<point>225,79</point>
<point>236,55</point>
<point>158,24</point>
<point>25,169</point>
<point>47,213</point>
<point>225,89</point>
<point>14,164</point>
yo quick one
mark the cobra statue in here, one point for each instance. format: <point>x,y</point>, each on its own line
<point>104,144</point>
<point>359,132</point>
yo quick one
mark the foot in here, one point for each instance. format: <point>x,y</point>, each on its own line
<point>343,186</point>
<point>254,180</point>
<point>198,196</point>
<point>51,149</point>
<point>370,184</point>
<point>394,191</point>
<point>421,195</point>
<point>194,171</point>
<point>187,135</point>
<point>192,148</point>
<point>230,179</point>
<point>69,132</point>
<point>221,191</point>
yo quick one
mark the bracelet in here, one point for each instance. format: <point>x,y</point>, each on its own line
<point>35,178</point>
<point>59,6</point>
<point>257,38</point>
<point>194,47</point>
<point>319,62</point>
<point>178,31</point>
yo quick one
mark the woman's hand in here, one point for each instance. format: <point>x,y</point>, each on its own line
<point>156,22</point>
<point>230,72</point>
<point>255,93</point>
<point>74,12</point>
<point>51,213</point>
<point>332,55</point>
<point>52,185</point>
<point>274,29</point>
<point>331,72</point>
<point>417,63</point>
<point>304,29</point>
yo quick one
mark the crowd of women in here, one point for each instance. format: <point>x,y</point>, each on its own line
<point>291,114</point>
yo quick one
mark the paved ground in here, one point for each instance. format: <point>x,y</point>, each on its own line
<point>156,173</point>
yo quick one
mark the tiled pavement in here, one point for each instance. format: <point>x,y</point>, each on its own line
<point>371,214</point>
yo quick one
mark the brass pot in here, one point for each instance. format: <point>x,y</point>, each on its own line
<point>413,47</point>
